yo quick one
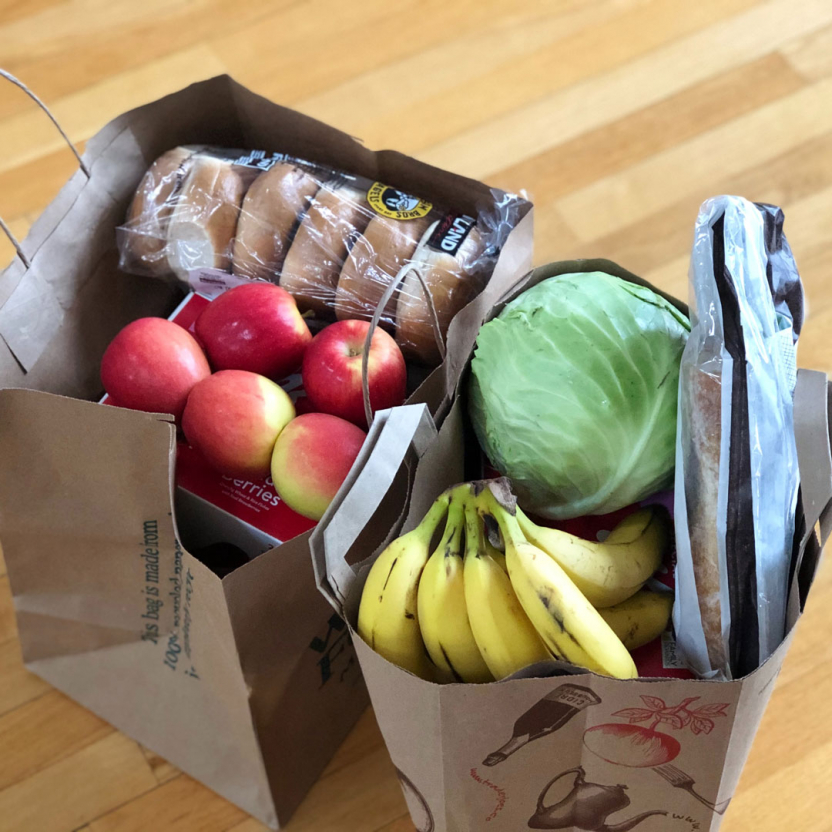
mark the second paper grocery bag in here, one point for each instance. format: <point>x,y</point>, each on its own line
<point>555,747</point>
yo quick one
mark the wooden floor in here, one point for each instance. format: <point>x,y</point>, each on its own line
<point>618,117</point>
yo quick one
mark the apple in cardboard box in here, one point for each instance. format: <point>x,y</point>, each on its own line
<point>254,327</point>
<point>152,365</point>
<point>312,457</point>
<point>233,418</point>
<point>332,371</point>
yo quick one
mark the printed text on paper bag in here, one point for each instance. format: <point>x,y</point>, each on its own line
<point>178,640</point>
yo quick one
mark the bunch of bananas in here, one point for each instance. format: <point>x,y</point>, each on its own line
<point>467,611</point>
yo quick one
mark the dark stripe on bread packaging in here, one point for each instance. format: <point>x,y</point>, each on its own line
<point>781,270</point>
<point>743,643</point>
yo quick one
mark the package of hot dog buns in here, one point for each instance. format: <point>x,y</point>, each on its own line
<point>339,243</point>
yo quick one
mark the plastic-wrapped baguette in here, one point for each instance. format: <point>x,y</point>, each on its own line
<point>736,464</point>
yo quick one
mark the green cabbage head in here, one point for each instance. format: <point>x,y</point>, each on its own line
<point>573,393</point>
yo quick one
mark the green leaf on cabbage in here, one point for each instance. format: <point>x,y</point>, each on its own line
<point>573,393</point>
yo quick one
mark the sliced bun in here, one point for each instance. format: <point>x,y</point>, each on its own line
<point>316,256</point>
<point>204,218</point>
<point>374,261</point>
<point>269,214</point>
<point>453,280</point>
<point>144,235</point>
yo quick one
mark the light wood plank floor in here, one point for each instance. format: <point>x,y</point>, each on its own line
<point>617,117</point>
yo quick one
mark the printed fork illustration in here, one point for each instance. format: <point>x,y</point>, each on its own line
<point>677,778</point>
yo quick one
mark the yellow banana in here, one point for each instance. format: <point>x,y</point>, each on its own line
<point>640,619</point>
<point>443,615</point>
<point>496,555</point>
<point>388,614</point>
<point>506,638</point>
<point>567,623</point>
<point>609,572</point>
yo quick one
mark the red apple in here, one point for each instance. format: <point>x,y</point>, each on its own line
<point>152,365</point>
<point>254,327</point>
<point>332,371</point>
<point>312,457</point>
<point>233,419</point>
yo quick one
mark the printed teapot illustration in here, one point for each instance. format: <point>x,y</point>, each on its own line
<point>586,807</point>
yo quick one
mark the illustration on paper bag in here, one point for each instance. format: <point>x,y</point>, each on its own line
<point>637,746</point>
<point>420,812</point>
<point>587,806</point>
<point>544,718</point>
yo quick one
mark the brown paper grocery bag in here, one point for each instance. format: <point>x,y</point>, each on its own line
<point>249,683</point>
<point>576,752</point>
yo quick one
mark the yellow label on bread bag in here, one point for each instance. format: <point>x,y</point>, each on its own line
<point>393,203</point>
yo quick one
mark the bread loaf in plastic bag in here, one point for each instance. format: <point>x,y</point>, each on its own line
<point>335,241</point>
<point>736,465</point>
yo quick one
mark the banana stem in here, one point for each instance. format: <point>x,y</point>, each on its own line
<point>509,527</point>
<point>473,528</point>
<point>455,524</point>
<point>436,514</point>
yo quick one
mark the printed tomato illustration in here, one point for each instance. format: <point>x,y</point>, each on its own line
<point>638,746</point>
<point>631,745</point>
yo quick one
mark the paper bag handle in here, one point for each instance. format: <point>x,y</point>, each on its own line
<point>380,307</point>
<point>394,434</point>
<point>812,438</point>
<point>811,431</point>
<point>18,83</point>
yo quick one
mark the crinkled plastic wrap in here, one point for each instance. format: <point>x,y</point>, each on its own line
<point>736,463</point>
<point>333,240</point>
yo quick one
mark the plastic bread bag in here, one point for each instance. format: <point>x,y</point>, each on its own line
<point>185,211</point>
<point>736,462</point>
<point>335,241</point>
